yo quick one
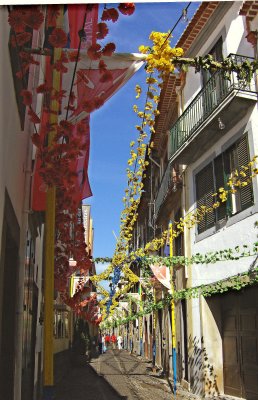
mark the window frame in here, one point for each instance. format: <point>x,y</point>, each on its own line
<point>234,205</point>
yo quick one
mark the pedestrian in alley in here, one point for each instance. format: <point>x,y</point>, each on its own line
<point>113,341</point>
<point>100,343</point>
<point>104,348</point>
<point>107,340</point>
<point>120,342</point>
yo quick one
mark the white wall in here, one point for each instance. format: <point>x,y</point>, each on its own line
<point>15,172</point>
<point>239,229</point>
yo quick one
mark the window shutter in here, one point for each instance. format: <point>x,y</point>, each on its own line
<point>179,242</point>
<point>227,174</point>
<point>219,173</point>
<point>246,192</point>
<point>204,192</point>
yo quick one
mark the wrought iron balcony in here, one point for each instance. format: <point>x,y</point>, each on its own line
<point>213,95</point>
<point>170,182</point>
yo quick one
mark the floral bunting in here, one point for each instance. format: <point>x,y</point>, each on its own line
<point>58,158</point>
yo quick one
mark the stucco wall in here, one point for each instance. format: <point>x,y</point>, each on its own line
<point>15,175</point>
<point>204,336</point>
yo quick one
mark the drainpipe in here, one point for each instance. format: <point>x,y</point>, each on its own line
<point>173,318</point>
<point>151,188</point>
<point>187,251</point>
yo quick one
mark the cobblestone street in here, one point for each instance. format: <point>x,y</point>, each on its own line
<point>116,375</point>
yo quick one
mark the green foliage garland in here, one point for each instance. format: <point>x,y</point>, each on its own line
<point>236,282</point>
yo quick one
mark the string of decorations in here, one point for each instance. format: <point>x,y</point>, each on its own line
<point>236,282</point>
<point>238,179</point>
<point>199,258</point>
<point>161,60</point>
<point>57,160</point>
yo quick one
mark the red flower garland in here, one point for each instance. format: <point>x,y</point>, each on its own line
<point>20,38</point>
<point>16,20</point>
<point>33,117</point>
<point>34,18</point>
<point>94,52</point>
<point>56,159</point>
<point>102,30</point>
<point>109,49</point>
<point>27,97</point>
<point>126,8</point>
<point>110,14</point>
<point>58,38</point>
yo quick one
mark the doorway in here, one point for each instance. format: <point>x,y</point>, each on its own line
<point>239,311</point>
<point>9,264</point>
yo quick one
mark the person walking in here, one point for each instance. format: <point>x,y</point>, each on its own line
<point>100,344</point>
<point>104,348</point>
<point>107,340</point>
<point>113,340</point>
<point>120,342</point>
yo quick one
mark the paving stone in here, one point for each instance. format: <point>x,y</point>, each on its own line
<point>116,375</point>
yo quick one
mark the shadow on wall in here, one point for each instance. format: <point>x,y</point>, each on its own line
<point>203,379</point>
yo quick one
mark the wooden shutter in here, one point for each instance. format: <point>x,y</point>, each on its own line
<point>242,154</point>
<point>204,192</point>
<point>219,173</point>
<point>179,242</point>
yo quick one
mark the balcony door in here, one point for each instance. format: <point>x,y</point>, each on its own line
<point>213,82</point>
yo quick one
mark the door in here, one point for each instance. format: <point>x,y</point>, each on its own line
<point>240,343</point>
<point>10,263</point>
<point>213,82</point>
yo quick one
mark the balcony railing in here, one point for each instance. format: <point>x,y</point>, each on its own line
<point>170,181</point>
<point>207,100</point>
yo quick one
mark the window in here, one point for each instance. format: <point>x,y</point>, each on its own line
<point>216,53</point>
<point>61,324</point>
<point>216,175</point>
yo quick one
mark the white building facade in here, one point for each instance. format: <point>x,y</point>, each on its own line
<point>216,134</point>
<point>21,234</point>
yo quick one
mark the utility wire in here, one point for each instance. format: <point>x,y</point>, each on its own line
<point>183,14</point>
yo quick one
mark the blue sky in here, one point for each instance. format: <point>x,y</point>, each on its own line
<point>113,126</point>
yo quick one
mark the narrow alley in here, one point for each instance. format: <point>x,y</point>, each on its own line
<point>129,200</point>
<point>115,375</point>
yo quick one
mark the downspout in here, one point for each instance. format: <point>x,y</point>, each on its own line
<point>152,200</point>
<point>187,245</point>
